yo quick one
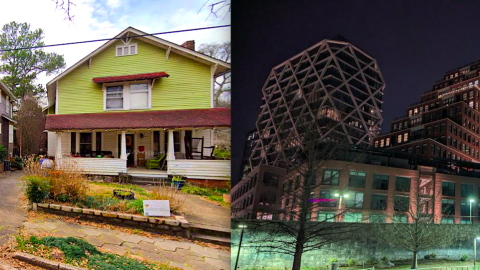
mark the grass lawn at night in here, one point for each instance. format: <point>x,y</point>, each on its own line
<point>404,264</point>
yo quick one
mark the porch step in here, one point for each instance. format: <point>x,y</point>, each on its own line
<point>223,241</point>
<point>210,230</point>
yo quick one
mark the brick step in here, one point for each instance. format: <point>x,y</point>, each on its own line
<point>218,240</point>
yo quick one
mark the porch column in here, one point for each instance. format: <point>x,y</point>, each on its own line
<point>171,148</point>
<point>123,154</point>
<point>94,141</point>
<point>58,155</point>
<point>77,142</point>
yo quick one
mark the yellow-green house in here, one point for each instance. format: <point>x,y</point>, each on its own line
<point>139,105</point>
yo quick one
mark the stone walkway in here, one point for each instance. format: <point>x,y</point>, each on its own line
<point>182,254</point>
<point>11,212</point>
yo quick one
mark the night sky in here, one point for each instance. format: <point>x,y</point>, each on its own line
<point>414,42</point>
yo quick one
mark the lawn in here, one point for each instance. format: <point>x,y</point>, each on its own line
<point>213,194</point>
<point>399,265</point>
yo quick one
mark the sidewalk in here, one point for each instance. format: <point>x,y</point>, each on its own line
<point>183,254</point>
<point>11,212</point>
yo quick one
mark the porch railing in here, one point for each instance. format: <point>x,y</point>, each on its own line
<point>100,166</point>
<point>200,169</point>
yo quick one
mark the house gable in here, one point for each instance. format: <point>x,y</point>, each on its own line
<point>188,87</point>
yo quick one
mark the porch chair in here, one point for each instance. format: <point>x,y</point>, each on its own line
<point>155,163</point>
<point>192,146</point>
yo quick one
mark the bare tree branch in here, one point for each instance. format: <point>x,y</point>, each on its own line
<point>65,6</point>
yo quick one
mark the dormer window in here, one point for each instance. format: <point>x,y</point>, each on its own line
<point>127,49</point>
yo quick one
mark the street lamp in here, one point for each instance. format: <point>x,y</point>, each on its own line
<point>475,251</point>
<point>338,195</point>
<point>471,201</point>
<point>239,244</point>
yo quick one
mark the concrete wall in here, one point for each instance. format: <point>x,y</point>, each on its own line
<point>364,245</point>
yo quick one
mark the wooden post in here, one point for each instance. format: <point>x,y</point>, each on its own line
<point>123,154</point>
<point>58,155</point>
<point>77,142</point>
<point>171,148</point>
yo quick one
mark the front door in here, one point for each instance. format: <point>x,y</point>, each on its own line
<point>130,148</point>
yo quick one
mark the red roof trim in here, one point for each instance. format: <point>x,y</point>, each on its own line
<point>134,77</point>
<point>196,118</point>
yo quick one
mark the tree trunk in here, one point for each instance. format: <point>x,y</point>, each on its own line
<point>297,257</point>
<point>414,261</point>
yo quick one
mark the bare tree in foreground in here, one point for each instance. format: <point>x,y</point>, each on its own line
<point>30,124</point>
<point>65,6</point>
<point>223,81</point>
<point>421,233</point>
<point>217,8</point>
<point>304,153</point>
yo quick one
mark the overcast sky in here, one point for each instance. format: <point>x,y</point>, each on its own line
<point>96,19</point>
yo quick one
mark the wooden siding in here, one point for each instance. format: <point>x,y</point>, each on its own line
<point>99,166</point>
<point>109,142</point>
<point>188,87</point>
<point>200,169</point>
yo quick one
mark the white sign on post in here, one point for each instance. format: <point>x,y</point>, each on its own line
<point>156,208</point>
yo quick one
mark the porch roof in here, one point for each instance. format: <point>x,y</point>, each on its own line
<point>134,77</point>
<point>196,118</point>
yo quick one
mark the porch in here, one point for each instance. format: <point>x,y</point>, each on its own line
<point>185,151</point>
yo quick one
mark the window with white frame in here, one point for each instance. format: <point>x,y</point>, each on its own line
<point>10,134</point>
<point>8,109</point>
<point>139,96</point>
<point>127,49</point>
<point>114,97</point>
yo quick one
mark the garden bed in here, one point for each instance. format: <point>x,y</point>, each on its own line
<point>100,196</point>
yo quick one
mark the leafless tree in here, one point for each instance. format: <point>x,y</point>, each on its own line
<point>421,233</point>
<point>65,6</point>
<point>217,8</point>
<point>223,87</point>
<point>295,233</point>
<point>30,126</point>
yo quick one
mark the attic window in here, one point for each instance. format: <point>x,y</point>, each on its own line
<point>123,50</point>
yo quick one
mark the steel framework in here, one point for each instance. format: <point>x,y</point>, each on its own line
<point>333,83</point>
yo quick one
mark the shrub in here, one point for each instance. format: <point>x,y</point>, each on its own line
<point>189,189</point>
<point>17,163</point>
<point>222,153</point>
<point>3,153</point>
<point>332,260</point>
<point>372,261</point>
<point>351,262</point>
<point>69,181</point>
<point>113,262</point>
<point>73,248</point>
<point>464,258</point>
<point>176,198</point>
<point>137,205</point>
<point>430,256</point>
<point>36,188</point>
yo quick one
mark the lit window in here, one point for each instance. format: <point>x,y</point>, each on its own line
<point>399,138</point>
<point>139,96</point>
<point>405,137</point>
<point>409,112</point>
<point>387,142</point>
<point>123,50</point>
<point>382,143</point>
<point>114,97</point>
